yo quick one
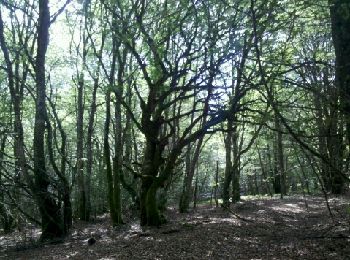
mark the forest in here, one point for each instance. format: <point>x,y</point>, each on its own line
<point>174,129</point>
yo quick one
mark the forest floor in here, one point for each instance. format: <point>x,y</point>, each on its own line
<point>292,228</point>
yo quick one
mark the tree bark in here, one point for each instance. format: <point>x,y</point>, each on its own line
<point>150,215</point>
<point>107,158</point>
<point>117,162</point>
<point>82,201</point>
<point>228,168</point>
<point>89,144</point>
<point>6,219</point>
<point>340,21</point>
<point>236,193</point>
<point>216,187</point>
<point>51,220</point>
<point>191,164</point>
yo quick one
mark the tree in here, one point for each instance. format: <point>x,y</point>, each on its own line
<point>51,219</point>
<point>169,74</point>
<point>339,11</point>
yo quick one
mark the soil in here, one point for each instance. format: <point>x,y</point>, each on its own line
<point>292,228</point>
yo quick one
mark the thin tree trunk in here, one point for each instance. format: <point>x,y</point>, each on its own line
<point>195,193</point>
<point>64,190</point>
<point>6,219</point>
<point>89,144</point>
<point>228,168</point>
<point>191,163</point>
<point>216,185</point>
<point>322,142</point>
<point>280,159</point>
<point>236,194</point>
<point>276,160</point>
<point>82,205</point>
<point>117,163</point>
<point>264,174</point>
<point>107,158</point>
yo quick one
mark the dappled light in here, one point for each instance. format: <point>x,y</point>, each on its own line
<point>265,228</point>
<point>174,129</point>
<point>292,208</point>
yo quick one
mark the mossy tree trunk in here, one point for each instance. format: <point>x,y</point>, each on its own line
<point>152,162</point>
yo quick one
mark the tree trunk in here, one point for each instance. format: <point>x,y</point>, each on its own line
<point>195,193</point>
<point>6,219</point>
<point>150,215</point>
<point>107,158</point>
<point>82,205</point>
<point>236,193</point>
<point>89,145</point>
<point>64,192</point>
<point>191,163</point>
<point>278,159</point>
<point>228,168</point>
<point>264,173</point>
<point>340,20</point>
<point>322,142</point>
<point>216,185</point>
<point>118,142</point>
<point>117,162</point>
<point>51,220</point>
<point>128,181</point>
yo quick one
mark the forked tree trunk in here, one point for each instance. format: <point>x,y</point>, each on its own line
<point>150,215</point>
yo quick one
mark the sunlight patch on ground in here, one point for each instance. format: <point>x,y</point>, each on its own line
<point>73,254</point>
<point>289,207</point>
<point>136,227</point>
<point>134,230</point>
<point>222,220</point>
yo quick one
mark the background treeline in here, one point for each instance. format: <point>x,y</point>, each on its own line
<point>131,105</point>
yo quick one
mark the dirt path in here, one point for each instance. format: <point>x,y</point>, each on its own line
<point>257,229</point>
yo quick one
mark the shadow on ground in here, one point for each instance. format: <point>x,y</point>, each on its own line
<point>293,228</point>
